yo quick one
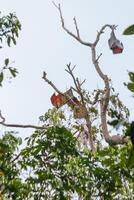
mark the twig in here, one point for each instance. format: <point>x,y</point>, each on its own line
<point>22,126</point>
<point>98,57</point>
<point>72,75</point>
<point>96,97</point>
<point>100,32</point>
<point>82,82</point>
<point>2,122</point>
<point>50,83</point>
<point>77,37</point>
<point>16,158</point>
<point>76,26</point>
<point>3,119</point>
<point>87,117</point>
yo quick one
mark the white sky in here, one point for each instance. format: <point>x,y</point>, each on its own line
<point>43,45</point>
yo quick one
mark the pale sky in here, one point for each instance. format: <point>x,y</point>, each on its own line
<point>43,45</point>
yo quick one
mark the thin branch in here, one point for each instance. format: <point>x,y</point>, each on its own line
<point>16,158</point>
<point>77,36</point>
<point>3,118</point>
<point>50,83</point>
<point>70,71</point>
<point>22,126</point>
<point>98,57</point>
<point>77,29</point>
<point>82,82</point>
<point>3,123</point>
<point>74,89</point>
<point>86,117</point>
<point>96,97</point>
<point>101,32</point>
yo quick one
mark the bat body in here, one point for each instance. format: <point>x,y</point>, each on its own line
<point>114,44</point>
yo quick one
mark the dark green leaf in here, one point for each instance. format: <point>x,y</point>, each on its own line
<point>130,86</point>
<point>9,41</point>
<point>1,77</point>
<point>113,123</point>
<point>131,76</point>
<point>13,71</point>
<point>6,61</point>
<point>13,39</point>
<point>129,30</point>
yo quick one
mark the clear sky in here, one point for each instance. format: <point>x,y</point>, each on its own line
<point>43,45</point>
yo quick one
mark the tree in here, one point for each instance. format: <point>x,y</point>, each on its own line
<point>73,153</point>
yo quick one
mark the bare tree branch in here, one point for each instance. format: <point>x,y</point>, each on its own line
<point>22,126</point>
<point>77,36</point>
<point>112,27</point>
<point>115,139</point>
<point>87,117</point>
<point>50,83</point>
<point>104,102</point>
<point>2,122</point>
<point>96,97</point>
<point>76,26</point>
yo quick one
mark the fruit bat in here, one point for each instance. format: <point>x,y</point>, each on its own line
<point>115,45</point>
<point>61,99</point>
<point>56,100</point>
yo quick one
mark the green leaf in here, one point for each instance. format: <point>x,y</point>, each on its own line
<point>6,61</point>
<point>131,76</point>
<point>130,86</point>
<point>13,39</point>
<point>13,71</point>
<point>129,30</point>
<point>1,78</point>
<point>9,41</point>
<point>113,123</point>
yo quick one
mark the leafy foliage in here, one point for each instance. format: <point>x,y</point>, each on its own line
<point>54,164</point>
<point>130,84</point>
<point>59,168</point>
<point>10,181</point>
<point>9,28</point>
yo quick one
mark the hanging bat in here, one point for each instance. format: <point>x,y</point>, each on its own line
<point>115,45</point>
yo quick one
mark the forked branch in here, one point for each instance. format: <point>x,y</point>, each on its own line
<point>77,35</point>
<point>104,102</point>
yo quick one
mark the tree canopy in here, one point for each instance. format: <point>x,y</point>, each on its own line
<point>73,153</point>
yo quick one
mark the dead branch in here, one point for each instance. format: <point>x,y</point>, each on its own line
<point>67,97</point>
<point>3,123</point>
<point>77,29</point>
<point>104,102</point>
<point>87,117</point>
<point>112,27</point>
<point>22,126</point>
<point>50,83</point>
<point>77,36</point>
<point>70,71</point>
<point>96,98</point>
